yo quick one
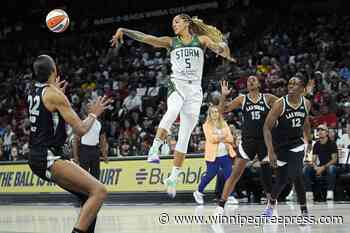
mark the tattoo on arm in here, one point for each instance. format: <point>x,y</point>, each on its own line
<point>135,35</point>
<point>158,42</point>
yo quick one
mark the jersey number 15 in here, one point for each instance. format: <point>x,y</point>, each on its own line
<point>255,115</point>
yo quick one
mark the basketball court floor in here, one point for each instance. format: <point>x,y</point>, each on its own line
<point>165,218</point>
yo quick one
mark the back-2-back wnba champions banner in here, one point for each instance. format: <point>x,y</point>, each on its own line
<point>118,176</point>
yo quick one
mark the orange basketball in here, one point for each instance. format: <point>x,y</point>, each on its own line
<point>57,20</point>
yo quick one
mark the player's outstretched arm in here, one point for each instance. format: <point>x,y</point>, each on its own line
<point>55,100</point>
<point>234,104</point>
<point>158,42</point>
<point>219,48</point>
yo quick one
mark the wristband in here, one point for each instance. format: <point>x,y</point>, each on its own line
<point>93,115</point>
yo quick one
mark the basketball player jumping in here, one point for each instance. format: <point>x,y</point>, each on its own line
<point>255,106</point>
<point>290,115</point>
<point>49,111</point>
<point>184,90</point>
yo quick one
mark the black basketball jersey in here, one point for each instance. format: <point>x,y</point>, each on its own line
<point>254,115</point>
<point>290,126</point>
<point>47,129</point>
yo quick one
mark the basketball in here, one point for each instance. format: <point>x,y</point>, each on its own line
<point>57,20</point>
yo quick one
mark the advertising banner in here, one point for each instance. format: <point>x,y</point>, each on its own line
<point>118,176</point>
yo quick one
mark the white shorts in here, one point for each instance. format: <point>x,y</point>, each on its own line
<point>190,92</point>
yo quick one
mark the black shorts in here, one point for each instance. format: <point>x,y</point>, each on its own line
<point>293,159</point>
<point>250,147</point>
<point>41,159</point>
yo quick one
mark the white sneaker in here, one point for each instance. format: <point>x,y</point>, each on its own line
<point>309,196</point>
<point>198,197</point>
<point>153,155</point>
<point>232,200</point>
<point>170,185</point>
<point>330,195</point>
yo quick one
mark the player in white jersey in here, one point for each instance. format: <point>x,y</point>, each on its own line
<point>184,91</point>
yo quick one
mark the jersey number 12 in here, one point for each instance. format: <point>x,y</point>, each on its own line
<point>296,122</point>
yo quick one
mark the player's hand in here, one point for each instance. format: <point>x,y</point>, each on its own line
<point>117,38</point>
<point>272,159</point>
<point>225,91</point>
<point>98,106</point>
<point>60,84</point>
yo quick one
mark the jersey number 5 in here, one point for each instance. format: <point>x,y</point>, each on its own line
<point>188,63</point>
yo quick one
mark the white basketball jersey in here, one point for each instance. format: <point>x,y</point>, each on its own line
<point>187,60</point>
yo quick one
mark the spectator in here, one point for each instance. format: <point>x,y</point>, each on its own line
<point>332,135</point>
<point>125,149</point>
<point>218,150</point>
<point>344,72</point>
<point>113,149</point>
<point>9,136</point>
<point>264,69</point>
<point>14,153</point>
<point>323,163</point>
<point>133,101</point>
<point>326,117</point>
<point>146,142</point>
<point>344,141</point>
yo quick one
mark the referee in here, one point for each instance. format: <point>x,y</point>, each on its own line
<point>88,149</point>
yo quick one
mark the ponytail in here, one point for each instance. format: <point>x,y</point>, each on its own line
<point>198,27</point>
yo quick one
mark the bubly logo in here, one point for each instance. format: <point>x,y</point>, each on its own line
<point>156,176</point>
<point>141,176</point>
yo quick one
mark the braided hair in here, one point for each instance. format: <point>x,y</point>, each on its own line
<point>198,27</point>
